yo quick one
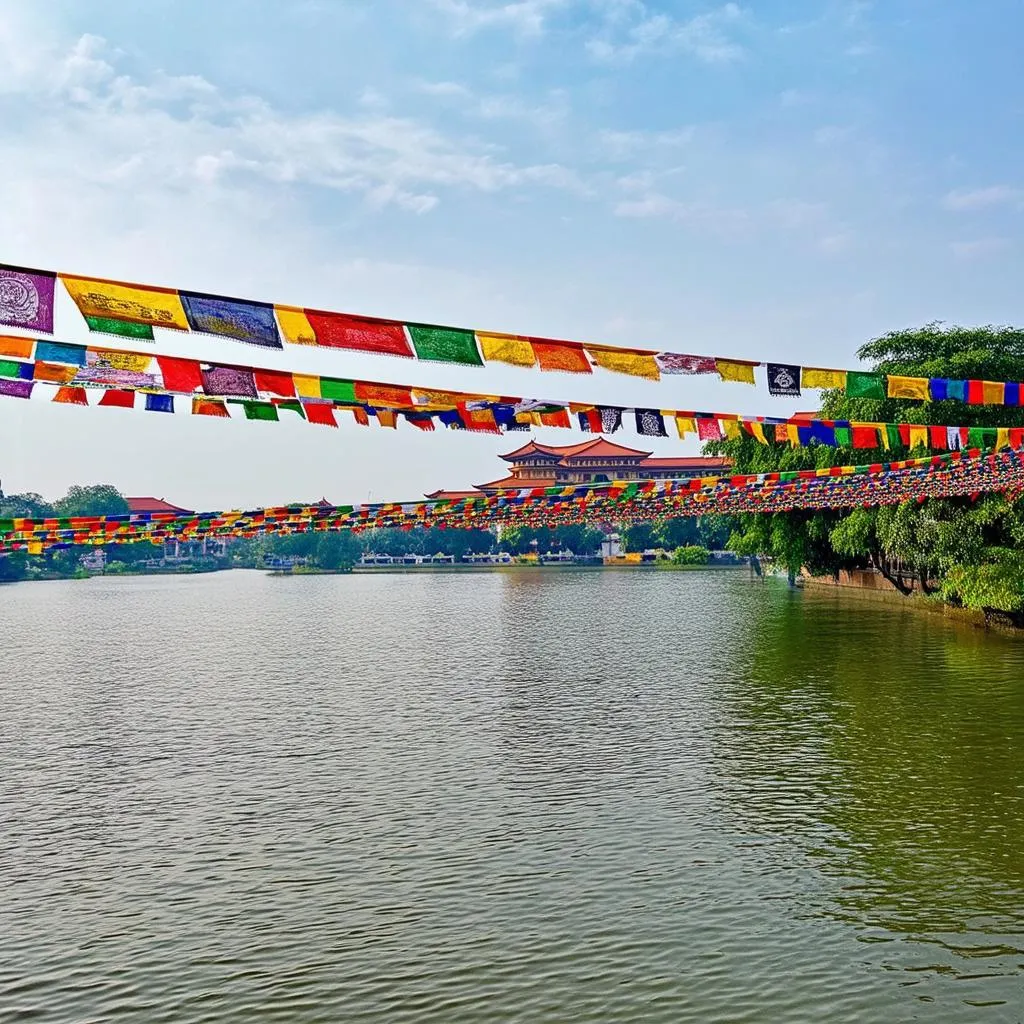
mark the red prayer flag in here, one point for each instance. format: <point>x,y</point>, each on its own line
<point>975,393</point>
<point>361,417</point>
<point>865,437</point>
<point>183,375</point>
<point>558,418</point>
<point>118,399</point>
<point>320,412</point>
<point>937,437</point>
<point>366,334</point>
<point>275,382</point>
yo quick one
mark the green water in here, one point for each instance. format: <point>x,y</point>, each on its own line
<point>588,796</point>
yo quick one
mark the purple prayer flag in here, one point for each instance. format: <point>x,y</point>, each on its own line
<point>16,388</point>
<point>676,362</point>
<point>26,298</point>
<point>252,322</point>
<point>226,380</point>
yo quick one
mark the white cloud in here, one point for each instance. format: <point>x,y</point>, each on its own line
<point>962,200</point>
<point>710,217</point>
<point>632,29</point>
<point>181,132</point>
<point>618,145</point>
<point>526,17</point>
<point>979,248</point>
<point>495,107</point>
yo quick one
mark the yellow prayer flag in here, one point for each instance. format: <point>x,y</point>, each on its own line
<point>136,362</point>
<point>757,430</point>
<point>685,425</point>
<point>306,386</point>
<point>908,387</point>
<point>731,428</point>
<point>35,547</point>
<point>814,377</point>
<point>993,392</point>
<point>793,434</point>
<point>295,326</point>
<point>729,369</point>
<point>918,436</point>
<point>636,364</point>
<point>140,304</point>
<point>506,348</point>
<point>1002,437</point>
<point>883,434</point>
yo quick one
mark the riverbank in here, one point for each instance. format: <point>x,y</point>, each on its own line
<point>866,585</point>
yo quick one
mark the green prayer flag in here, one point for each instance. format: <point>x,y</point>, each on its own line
<point>445,344</point>
<point>864,385</point>
<point>292,406</point>
<point>260,411</point>
<point>787,475</point>
<point>9,368</point>
<point>981,437</point>
<point>122,328</point>
<point>892,431</point>
<point>338,390</point>
<point>843,437</point>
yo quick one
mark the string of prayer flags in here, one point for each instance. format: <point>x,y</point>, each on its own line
<point>954,474</point>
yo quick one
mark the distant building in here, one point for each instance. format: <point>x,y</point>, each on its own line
<point>156,505</point>
<point>595,461</point>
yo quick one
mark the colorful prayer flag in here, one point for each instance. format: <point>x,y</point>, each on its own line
<point>115,300</point>
<point>864,385</point>
<point>120,328</point>
<point>564,356</point>
<point>26,298</point>
<point>736,370</point>
<point>229,381</point>
<point>815,377</point>
<point>506,348</point>
<point>908,387</point>
<point>784,380</point>
<point>633,363</point>
<point>679,363</point>
<point>238,319</point>
<point>444,344</point>
<point>361,334</point>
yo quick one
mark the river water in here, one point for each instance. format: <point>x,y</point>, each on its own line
<point>522,796</point>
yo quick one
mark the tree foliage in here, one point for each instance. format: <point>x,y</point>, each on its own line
<point>967,548</point>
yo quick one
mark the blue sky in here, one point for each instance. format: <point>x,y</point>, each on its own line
<point>779,179</point>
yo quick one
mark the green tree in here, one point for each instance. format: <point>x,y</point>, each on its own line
<point>927,540</point>
<point>692,554</point>
<point>28,506</point>
<point>637,537</point>
<point>91,500</point>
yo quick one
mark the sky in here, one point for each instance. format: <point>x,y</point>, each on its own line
<point>780,180</point>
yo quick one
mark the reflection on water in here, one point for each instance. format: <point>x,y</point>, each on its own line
<point>525,796</point>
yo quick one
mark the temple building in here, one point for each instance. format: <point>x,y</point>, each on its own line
<point>594,461</point>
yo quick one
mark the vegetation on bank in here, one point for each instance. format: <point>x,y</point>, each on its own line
<point>969,552</point>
